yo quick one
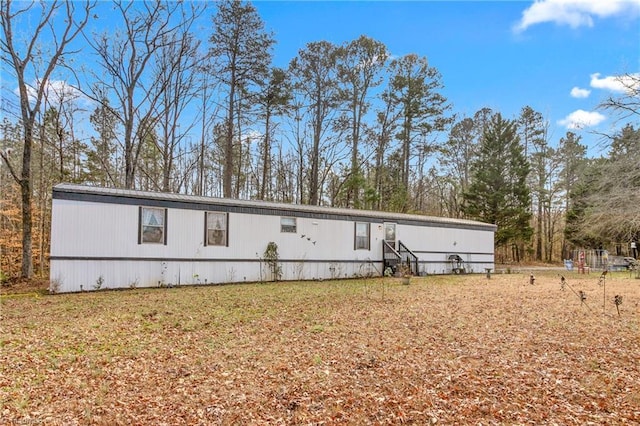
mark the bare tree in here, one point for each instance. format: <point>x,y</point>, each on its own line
<point>627,105</point>
<point>208,111</point>
<point>533,134</point>
<point>415,86</point>
<point>614,197</point>
<point>176,65</point>
<point>273,100</point>
<point>126,75</point>
<point>314,74</point>
<point>456,154</point>
<point>285,176</point>
<point>20,58</point>
<point>298,138</point>
<point>242,49</point>
<point>360,64</point>
<point>60,109</point>
<point>382,134</point>
<point>102,156</point>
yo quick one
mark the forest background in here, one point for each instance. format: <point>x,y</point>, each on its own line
<point>162,108</point>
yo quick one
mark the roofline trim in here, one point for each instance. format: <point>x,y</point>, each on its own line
<point>188,202</point>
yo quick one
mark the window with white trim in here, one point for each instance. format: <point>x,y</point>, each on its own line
<point>152,226</point>
<point>288,224</point>
<point>362,232</point>
<point>216,229</point>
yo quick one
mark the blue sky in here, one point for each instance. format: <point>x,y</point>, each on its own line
<point>500,54</point>
<point>560,57</point>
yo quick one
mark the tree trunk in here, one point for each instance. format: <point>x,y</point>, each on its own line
<point>315,154</point>
<point>266,158</point>
<point>539,233</point>
<point>355,172</point>
<point>200,188</point>
<point>129,171</point>
<point>25,192</point>
<point>228,145</point>
<point>313,184</point>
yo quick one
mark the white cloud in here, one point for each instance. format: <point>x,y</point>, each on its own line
<point>56,93</point>
<point>616,83</point>
<point>580,119</point>
<point>575,13</point>
<point>577,92</point>
<point>253,136</point>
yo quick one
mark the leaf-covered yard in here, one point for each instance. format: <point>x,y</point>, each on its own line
<point>445,350</point>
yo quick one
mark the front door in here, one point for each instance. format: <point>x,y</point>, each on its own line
<point>390,234</point>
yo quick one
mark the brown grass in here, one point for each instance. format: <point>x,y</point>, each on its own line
<point>446,350</point>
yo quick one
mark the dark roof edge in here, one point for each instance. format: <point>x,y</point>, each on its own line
<point>192,202</point>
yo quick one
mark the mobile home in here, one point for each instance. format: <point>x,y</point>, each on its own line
<point>115,238</point>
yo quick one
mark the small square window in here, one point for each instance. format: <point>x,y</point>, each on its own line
<point>288,224</point>
<point>152,229</point>
<point>362,240</point>
<point>216,229</point>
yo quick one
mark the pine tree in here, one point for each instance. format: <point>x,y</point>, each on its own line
<point>101,164</point>
<point>572,158</point>
<point>415,87</point>
<point>575,231</point>
<point>272,101</point>
<point>360,64</point>
<point>455,158</point>
<point>533,133</point>
<point>498,192</point>
<point>241,49</point>
<point>314,78</point>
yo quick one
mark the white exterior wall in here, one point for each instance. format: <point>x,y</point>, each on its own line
<point>111,230</point>
<point>433,245</point>
<point>95,244</point>
<point>96,230</point>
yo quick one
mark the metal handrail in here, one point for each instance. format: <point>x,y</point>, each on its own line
<point>410,258</point>
<point>387,250</point>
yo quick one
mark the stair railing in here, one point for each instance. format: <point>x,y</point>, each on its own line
<point>408,257</point>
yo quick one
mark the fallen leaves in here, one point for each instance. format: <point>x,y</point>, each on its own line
<point>445,350</point>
